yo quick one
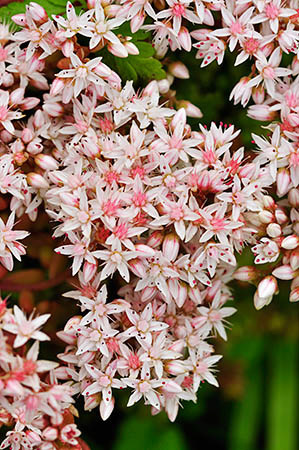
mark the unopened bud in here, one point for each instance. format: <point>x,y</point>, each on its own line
<point>118,50</point>
<point>293,197</point>
<point>102,70</point>
<point>267,287</point>
<point>294,259</point>
<point>137,267</point>
<point>283,182</point>
<point>294,296</point>
<point>179,70</point>
<point>17,96</point>
<point>258,94</point>
<point>50,434</point>
<point>273,230</point>
<point>191,110</point>
<point>89,271</point>
<point>27,135</point>
<point>171,246</point>
<point>246,273</point>
<point>260,302</point>
<point>57,86</point>
<point>46,162</point>
<point>131,48</point>
<point>281,216</point>
<point>155,239</point>
<point>290,242</point>
<point>36,180</point>
<point>268,202</point>
<point>266,216</point>
<point>144,251</point>
<point>284,272</point>
<point>29,103</point>
<point>37,12</point>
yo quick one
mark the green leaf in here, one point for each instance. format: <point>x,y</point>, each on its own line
<point>143,67</point>
<point>51,7</point>
<point>149,434</point>
<point>140,35</point>
<point>282,404</point>
<point>247,413</point>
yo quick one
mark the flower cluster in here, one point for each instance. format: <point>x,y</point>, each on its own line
<point>151,212</point>
<point>33,403</point>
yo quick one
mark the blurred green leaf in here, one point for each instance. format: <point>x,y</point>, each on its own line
<point>246,414</point>
<point>282,404</point>
<point>138,433</point>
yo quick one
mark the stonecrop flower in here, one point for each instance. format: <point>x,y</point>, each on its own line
<point>150,212</point>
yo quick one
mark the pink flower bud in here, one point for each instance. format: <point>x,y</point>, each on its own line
<point>293,197</point>
<point>46,162</point>
<point>137,267</point>
<point>171,246</point>
<point>258,94</point>
<point>268,202</point>
<point>294,296</point>
<point>118,50</point>
<point>57,86</point>
<point>91,402</point>
<point>34,147</point>
<point>37,12</point>
<point>163,86</point>
<point>102,70</point>
<point>7,79</point>
<point>179,70</point>
<point>260,302</point>
<point>29,103</point>
<point>246,273</point>
<point>266,216</point>
<point>36,180</point>
<point>281,216</point>
<point>175,367</point>
<point>17,96</point>
<point>261,112</point>
<point>267,287</point>
<point>148,293</point>
<point>6,137</point>
<point>89,271</point>
<point>294,259</point>
<point>38,119</point>
<point>283,182</point>
<point>27,135</point>
<point>53,109</point>
<point>144,251</point>
<point>290,242</point>
<point>32,402</point>
<point>155,239</point>
<point>179,118</point>
<point>191,110</point>
<point>273,230</point>
<point>56,419</point>
<point>284,272</point>
<point>131,48</point>
<point>50,434</point>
